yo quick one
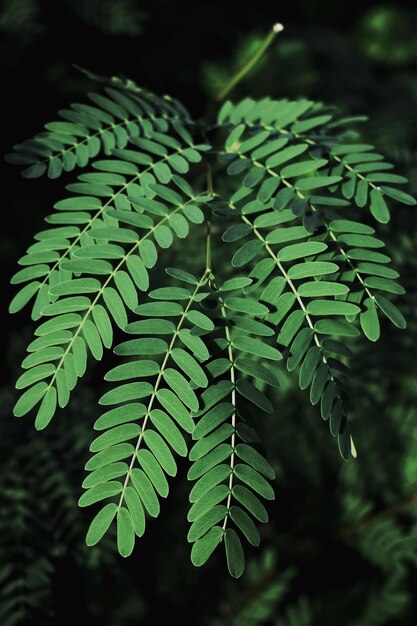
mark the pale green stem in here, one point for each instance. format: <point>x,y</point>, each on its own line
<point>250,63</point>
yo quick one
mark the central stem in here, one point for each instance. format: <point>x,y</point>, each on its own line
<point>250,63</point>
<point>208,238</point>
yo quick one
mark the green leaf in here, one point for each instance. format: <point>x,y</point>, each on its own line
<point>194,343</point>
<point>92,338</point>
<point>320,378</point>
<point>236,232</point>
<point>309,366</point>
<point>399,195</point>
<point>252,478</point>
<point>204,547</point>
<point>332,307</point>
<point>115,435</point>
<point>336,327</point>
<point>268,188</point>
<point>135,508</point>
<point>285,155</point>
<point>247,390</point>
<point>154,472</point>
<point>34,375</point>
<point>125,533</point>
<point>213,418</point>
<point>29,399</point>
<point>349,226</point>
<point>159,309</point>
<point>311,268</point>
<point>190,367</point>
<point>317,182</point>
<point>146,492</point>
<point>251,326</point>
<point>47,409</point>
<point>126,289</point>
<point>124,393</point>
<point>67,305</point>
<point>361,241</point>
<point>175,407</point>
<point>369,320</point>
<point>200,319</point>
<point>247,253</point>
<point>104,474</point>
<point>100,492</point>
<point>235,283</point>
<point>181,275</point>
<point>234,137</point>
<point>84,266</point>
<point>78,203</point>
<point>100,524</point>
<point>256,460</point>
<point>116,307</point>
<point>391,311</point>
<point>245,524</point>
<point>234,553</point>
<point>77,286</point>
<point>321,288</point>
<point>161,452</point>
<point>110,455</point>
<point>203,524</point>
<point>211,459</point>
<point>300,250</point>
<point>254,346</point>
<point>138,271</point>
<point>283,198</point>
<point>304,167</point>
<point>375,282</point>
<point>290,233</point>
<point>246,305</point>
<point>208,443</point>
<point>379,207</point>
<point>213,497</point>
<point>250,502</point>
<point>170,293</point>
<point>148,253</point>
<point>257,371</point>
<point>147,346</point>
<point>151,327</point>
<point>103,324</point>
<point>210,480</point>
<point>290,327</point>
<point>23,296</point>
<point>120,415</point>
<point>169,430</point>
<point>182,388</point>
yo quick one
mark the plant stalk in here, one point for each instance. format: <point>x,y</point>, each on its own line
<point>250,63</point>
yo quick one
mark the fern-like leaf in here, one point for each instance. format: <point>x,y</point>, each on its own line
<point>147,421</point>
<point>300,274</point>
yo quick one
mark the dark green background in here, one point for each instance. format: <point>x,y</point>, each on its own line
<point>361,56</point>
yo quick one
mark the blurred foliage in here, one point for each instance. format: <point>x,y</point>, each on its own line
<point>25,20</point>
<point>341,544</point>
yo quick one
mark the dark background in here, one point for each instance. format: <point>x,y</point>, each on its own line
<point>361,56</point>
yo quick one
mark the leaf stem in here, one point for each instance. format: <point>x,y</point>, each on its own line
<point>233,397</point>
<point>250,63</point>
<point>208,238</point>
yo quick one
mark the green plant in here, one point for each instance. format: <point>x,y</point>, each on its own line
<point>286,185</point>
